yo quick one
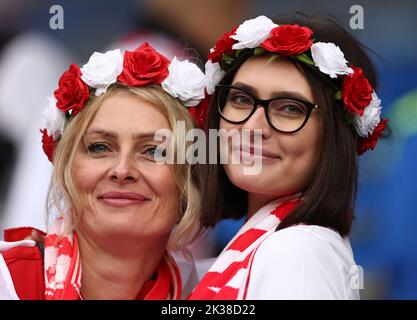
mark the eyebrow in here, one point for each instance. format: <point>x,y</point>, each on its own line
<point>275,94</point>
<point>113,135</point>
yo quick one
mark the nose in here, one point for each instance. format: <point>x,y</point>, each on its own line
<point>124,170</point>
<point>258,121</point>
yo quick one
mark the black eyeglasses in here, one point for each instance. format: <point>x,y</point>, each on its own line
<point>288,115</point>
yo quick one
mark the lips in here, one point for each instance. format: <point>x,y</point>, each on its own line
<point>122,199</point>
<point>251,151</point>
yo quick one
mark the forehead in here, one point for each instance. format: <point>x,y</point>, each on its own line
<point>124,111</point>
<point>272,76</point>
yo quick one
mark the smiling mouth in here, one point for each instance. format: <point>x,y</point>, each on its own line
<point>122,200</point>
<point>251,152</point>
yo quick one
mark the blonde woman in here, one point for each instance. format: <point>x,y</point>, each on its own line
<point>113,209</point>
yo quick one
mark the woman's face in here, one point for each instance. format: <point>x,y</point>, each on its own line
<point>114,171</point>
<point>288,159</point>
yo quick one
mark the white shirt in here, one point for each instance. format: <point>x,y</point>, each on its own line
<point>304,262</point>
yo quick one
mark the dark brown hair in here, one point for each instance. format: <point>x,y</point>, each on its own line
<point>328,200</point>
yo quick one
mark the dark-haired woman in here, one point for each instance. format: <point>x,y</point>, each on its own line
<point>315,104</point>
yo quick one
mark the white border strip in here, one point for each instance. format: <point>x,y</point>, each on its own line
<point>7,291</point>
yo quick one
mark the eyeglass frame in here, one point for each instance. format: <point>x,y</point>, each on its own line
<point>265,104</point>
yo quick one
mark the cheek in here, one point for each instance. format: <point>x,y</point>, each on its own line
<point>161,180</point>
<point>227,125</point>
<point>166,204</point>
<point>232,137</point>
<point>85,173</point>
<point>302,152</point>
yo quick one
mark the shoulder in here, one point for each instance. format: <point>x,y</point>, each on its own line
<point>302,262</point>
<point>302,239</point>
<point>21,269</point>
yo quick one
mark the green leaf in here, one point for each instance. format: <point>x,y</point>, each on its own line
<point>237,53</point>
<point>258,51</point>
<point>305,59</point>
<point>227,59</point>
<point>338,95</point>
<point>273,57</point>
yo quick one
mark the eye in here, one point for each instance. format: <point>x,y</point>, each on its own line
<point>150,151</point>
<point>153,152</point>
<point>292,108</point>
<point>240,99</point>
<point>98,148</point>
<point>289,108</point>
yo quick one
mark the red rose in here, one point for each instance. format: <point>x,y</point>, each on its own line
<point>288,40</point>
<point>72,92</point>
<point>144,66</point>
<point>48,144</point>
<point>199,112</point>
<point>223,46</point>
<point>356,92</point>
<point>369,143</point>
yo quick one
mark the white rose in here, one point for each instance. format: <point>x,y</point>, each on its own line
<point>214,74</point>
<point>329,59</point>
<point>185,81</point>
<point>251,33</point>
<point>102,69</point>
<point>370,118</point>
<point>54,119</point>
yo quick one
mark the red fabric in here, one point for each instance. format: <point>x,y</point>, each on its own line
<point>356,92</point>
<point>285,209</point>
<point>63,282</point>
<point>25,265</point>
<point>245,240</point>
<point>159,288</point>
<point>369,143</point>
<point>219,280</point>
<point>48,144</point>
<point>26,269</point>
<point>143,66</point>
<point>17,234</point>
<point>227,278</point>
<point>72,92</point>
<point>288,40</point>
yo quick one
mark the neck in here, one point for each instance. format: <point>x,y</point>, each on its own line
<point>110,273</point>
<point>257,201</point>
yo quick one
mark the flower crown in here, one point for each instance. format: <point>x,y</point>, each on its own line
<point>144,66</point>
<point>361,104</point>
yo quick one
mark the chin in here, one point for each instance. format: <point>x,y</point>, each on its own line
<point>262,184</point>
<point>249,183</point>
<point>119,227</point>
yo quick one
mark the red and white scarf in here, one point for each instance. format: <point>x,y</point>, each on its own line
<point>228,277</point>
<point>63,269</point>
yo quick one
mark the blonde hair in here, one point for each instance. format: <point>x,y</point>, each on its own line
<point>63,194</point>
